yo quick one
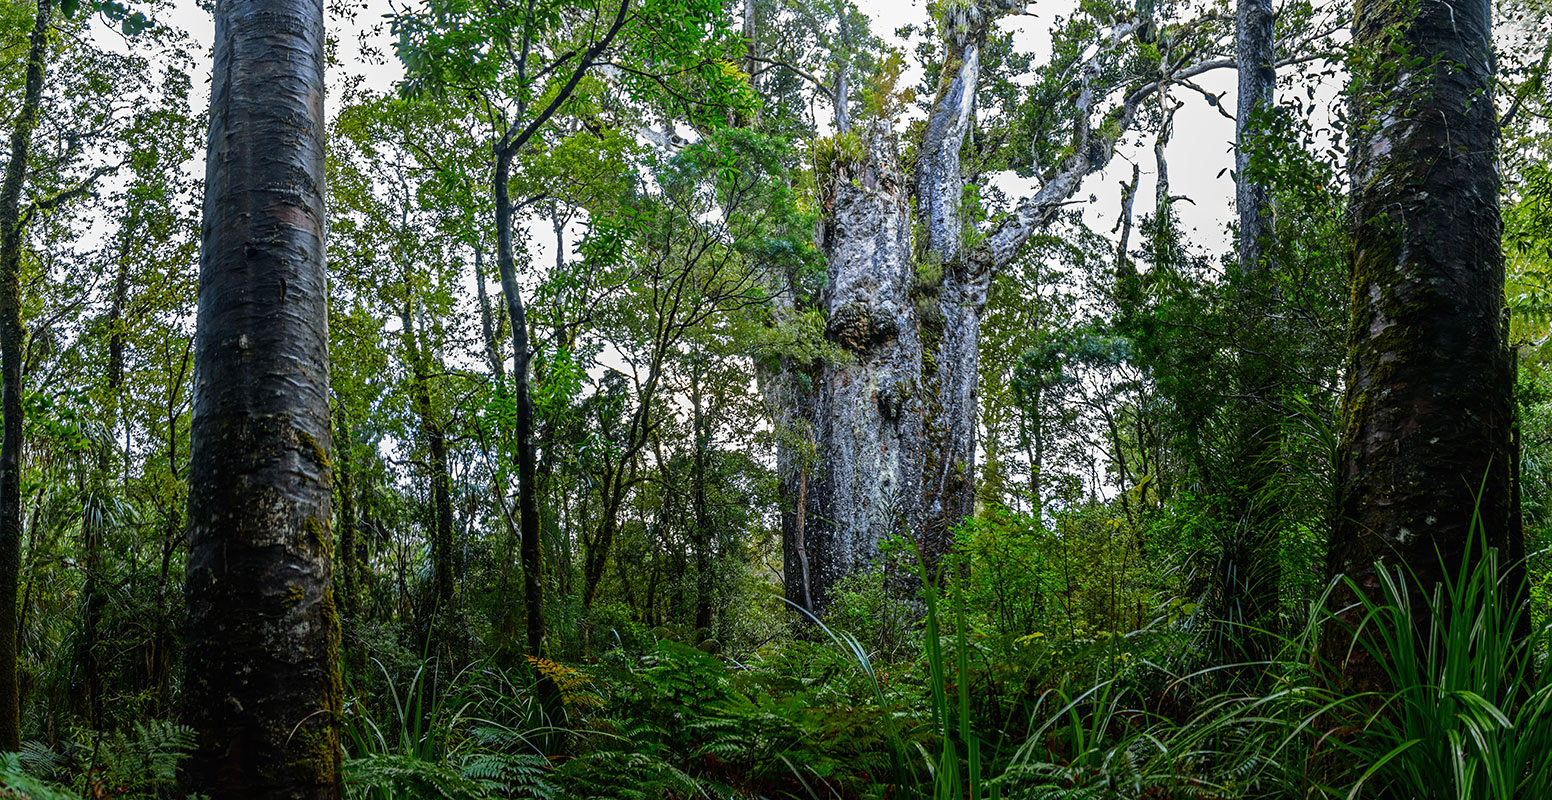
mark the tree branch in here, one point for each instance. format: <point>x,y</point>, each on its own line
<point>53,201</point>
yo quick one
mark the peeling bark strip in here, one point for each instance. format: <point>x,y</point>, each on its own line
<point>11,341</point>
<point>1428,412</point>
<point>263,688</point>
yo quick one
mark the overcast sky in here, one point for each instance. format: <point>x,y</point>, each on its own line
<point>1199,155</point>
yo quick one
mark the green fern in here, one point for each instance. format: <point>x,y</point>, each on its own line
<point>391,775</point>
<point>15,781</point>
<point>144,758</point>
<point>523,775</point>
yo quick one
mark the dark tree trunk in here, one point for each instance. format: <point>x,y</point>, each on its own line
<point>442,551</point>
<point>91,600</point>
<point>789,393</point>
<point>1258,424</point>
<point>530,549</point>
<point>345,480</point>
<point>92,521</point>
<point>11,339</point>
<point>173,531</point>
<point>511,143</point>
<point>262,686</point>
<point>1428,414</point>
<point>705,585</point>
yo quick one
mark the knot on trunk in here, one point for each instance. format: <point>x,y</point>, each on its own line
<point>858,329</point>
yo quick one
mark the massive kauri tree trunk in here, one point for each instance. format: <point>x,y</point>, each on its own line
<point>867,421</point>
<point>953,326</point>
<point>262,687</point>
<point>894,424</point>
<point>11,339</point>
<point>1427,419</point>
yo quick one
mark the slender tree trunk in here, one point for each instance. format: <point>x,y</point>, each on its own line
<point>789,393</point>
<point>91,597</point>
<point>705,583</point>
<point>345,478</point>
<point>1256,87</point>
<point>1258,380</point>
<point>11,339</point>
<point>173,531</point>
<point>94,492</point>
<point>262,687</point>
<point>531,550</point>
<point>442,555</point>
<point>487,326</point>
<point>1427,440</point>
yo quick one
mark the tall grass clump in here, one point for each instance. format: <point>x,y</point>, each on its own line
<point>477,736</point>
<point>1468,715</point>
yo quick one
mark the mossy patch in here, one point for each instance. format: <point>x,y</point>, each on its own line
<point>314,448</point>
<point>317,535</point>
<point>294,595</point>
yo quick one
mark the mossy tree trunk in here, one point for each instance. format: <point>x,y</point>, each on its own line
<point>262,685</point>
<point>12,338</point>
<point>1427,438</point>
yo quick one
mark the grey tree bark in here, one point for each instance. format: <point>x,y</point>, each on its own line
<point>868,416</point>
<point>894,426</point>
<point>953,333</point>
<point>1256,86</point>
